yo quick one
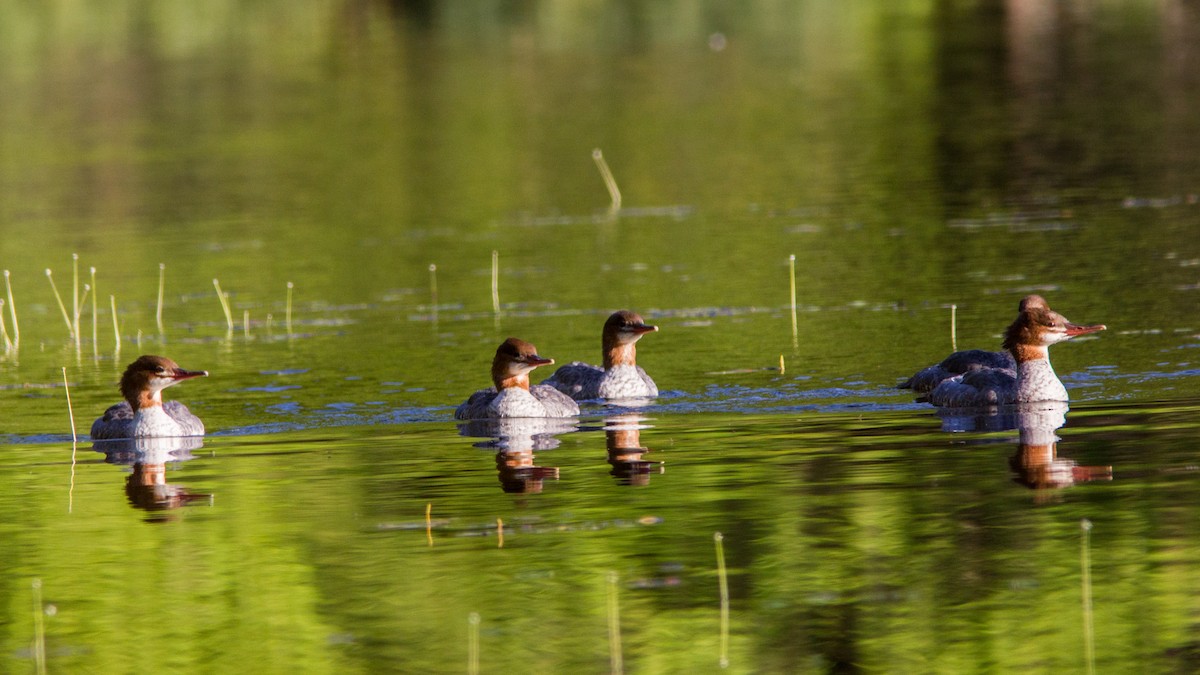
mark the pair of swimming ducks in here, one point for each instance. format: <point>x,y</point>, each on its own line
<point>973,378</point>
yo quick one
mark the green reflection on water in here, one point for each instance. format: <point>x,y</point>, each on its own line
<point>921,553</point>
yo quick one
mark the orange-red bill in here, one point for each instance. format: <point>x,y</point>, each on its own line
<point>181,374</point>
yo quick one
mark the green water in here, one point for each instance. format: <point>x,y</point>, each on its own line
<point>910,155</point>
<point>875,540</point>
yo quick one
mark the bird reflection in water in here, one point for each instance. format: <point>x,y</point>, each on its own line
<point>146,487</point>
<point>1036,463</point>
<point>622,435</point>
<point>515,439</point>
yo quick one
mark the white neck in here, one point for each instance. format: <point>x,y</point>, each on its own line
<point>1036,381</point>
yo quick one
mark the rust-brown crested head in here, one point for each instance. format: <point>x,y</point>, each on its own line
<point>626,326</point>
<point>513,361</point>
<point>619,339</point>
<point>1037,326</point>
<point>1032,302</point>
<point>149,375</point>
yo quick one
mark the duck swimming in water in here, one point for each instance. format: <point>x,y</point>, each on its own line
<point>1021,374</point>
<point>620,377</point>
<point>512,396</point>
<point>143,413</point>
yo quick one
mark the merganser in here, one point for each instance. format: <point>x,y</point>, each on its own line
<point>621,377</point>
<point>512,396</point>
<point>1022,375</point>
<point>143,413</point>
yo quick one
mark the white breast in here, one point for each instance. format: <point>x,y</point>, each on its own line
<point>627,381</point>
<point>154,421</point>
<point>515,402</point>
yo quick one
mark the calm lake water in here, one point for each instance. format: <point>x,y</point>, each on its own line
<point>912,156</point>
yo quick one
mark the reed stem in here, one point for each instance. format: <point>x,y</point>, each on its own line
<point>39,629</point>
<point>224,305</point>
<point>433,296</point>
<point>95,332</point>
<point>473,643</point>
<point>12,309</point>
<point>74,443</point>
<point>616,661</point>
<point>288,316</point>
<point>70,410</point>
<point>246,323</point>
<point>723,582</point>
<point>63,308</point>
<point>1085,563</point>
<point>496,282</point>
<point>614,193</point>
<point>792,277</point>
<point>86,289</point>
<point>4,329</point>
<point>162,286</point>
<point>8,343</point>
<point>500,533</point>
<point>112,301</point>
<point>429,523</point>
<point>75,295</point>
<point>953,328</point>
